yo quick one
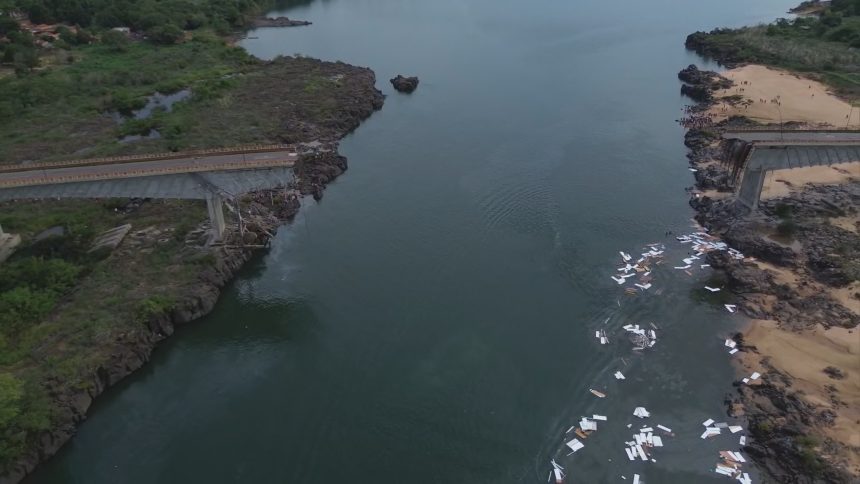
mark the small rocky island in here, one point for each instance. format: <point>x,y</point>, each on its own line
<point>405,84</point>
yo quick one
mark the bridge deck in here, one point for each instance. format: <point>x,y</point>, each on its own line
<point>133,167</point>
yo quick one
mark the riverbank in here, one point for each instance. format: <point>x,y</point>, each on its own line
<point>108,320</point>
<point>801,292</point>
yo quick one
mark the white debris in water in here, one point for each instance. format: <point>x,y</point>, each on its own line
<point>575,445</point>
<point>619,375</point>
<point>641,412</point>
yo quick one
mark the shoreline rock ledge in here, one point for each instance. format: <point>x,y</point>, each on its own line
<point>278,22</point>
<point>404,84</point>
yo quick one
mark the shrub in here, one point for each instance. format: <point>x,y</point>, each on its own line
<point>116,40</point>
<point>22,306</point>
<point>165,34</point>
<point>38,274</point>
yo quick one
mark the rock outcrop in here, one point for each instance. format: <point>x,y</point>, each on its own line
<point>278,22</point>
<point>807,252</point>
<point>700,85</point>
<point>404,84</point>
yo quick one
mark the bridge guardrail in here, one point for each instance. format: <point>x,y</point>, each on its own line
<point>232,150</point>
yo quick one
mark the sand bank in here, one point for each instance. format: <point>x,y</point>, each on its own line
<point>782,182</point>
<point>800,99</point>
<point>803,356</point>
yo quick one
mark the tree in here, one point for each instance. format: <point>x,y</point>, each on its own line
<point>7,24</point>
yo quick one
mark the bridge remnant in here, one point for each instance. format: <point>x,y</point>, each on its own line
<point>211,175</point>
<point>752,153</point>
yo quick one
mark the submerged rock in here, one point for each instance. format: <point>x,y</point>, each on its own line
<point>405,84</point>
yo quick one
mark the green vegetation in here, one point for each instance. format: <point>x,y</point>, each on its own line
<point>62,310</point>
<point>74,101</point>
<point>65,312</point>
<point>826,46</point>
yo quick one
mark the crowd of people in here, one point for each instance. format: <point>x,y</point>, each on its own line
<point>695,119</point>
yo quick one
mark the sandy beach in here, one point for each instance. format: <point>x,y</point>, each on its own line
<point>803,356</point>
<point>799,99</point>
<point>780,183</point>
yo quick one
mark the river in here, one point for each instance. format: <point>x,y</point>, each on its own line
<point>432,319</point>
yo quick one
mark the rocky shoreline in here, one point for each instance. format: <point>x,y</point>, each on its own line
<point>781,423</point>
<point>277,22</point>
<point>319,164</point>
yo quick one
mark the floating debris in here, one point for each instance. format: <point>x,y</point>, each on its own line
<point>587,425</point>
<point>731,466</point>
<point>619,375</point>
<point>731,307</point>
<point>597,393</point>
<point>575,445</point>
<point>712,289</point>
<point>557,471</point>
<point>641,412</point>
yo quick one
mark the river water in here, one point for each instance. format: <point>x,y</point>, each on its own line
<point>432,319</point>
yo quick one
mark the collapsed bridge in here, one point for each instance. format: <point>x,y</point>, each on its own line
<point>211,175</point>
<point>752,153</point>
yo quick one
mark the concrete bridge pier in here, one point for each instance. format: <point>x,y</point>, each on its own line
<point>215,205</point>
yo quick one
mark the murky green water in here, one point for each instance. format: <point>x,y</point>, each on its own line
<point>432,320</point>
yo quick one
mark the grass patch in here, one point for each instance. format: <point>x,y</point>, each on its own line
<point>57,112</point>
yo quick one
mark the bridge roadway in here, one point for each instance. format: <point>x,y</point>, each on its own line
<point>13,176</point>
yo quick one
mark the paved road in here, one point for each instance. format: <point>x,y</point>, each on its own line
<point>190,164</point>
